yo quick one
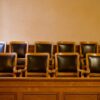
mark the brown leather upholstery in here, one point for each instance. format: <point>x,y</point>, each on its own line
<point>21,48</point>
<point>87,47</point>
<point>67,63</point>
<point>93,64</point>
<point>44,47</point>
<point>8,64</point>
<point>36,64</point>
<point>65,46</point>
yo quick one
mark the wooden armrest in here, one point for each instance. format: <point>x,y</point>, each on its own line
<point>81,56</point>
<point>23,70</point>
<point>83,61</point>
<point>52,71</point>
<point>83,71</point>
<point>19,72</point>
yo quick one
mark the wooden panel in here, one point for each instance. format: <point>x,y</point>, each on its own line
<point>49,88</point>
<point>80,97</point>
<point>98,97</point>
<point>40,96</point>
<point>8,96</point>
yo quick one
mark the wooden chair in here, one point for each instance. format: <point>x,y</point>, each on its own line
<point>2,47</point>
<point>37,64</point>
<point>66,47</point>
<point>87,47</point>
<point>21,48</point>
<point>67,64</point>
<point>93,64</point>
<point>45,47</point>
<point>8,62</point>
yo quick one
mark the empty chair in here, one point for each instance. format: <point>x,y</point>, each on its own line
<point>93,64</point>
<point>21,48</point>
<point>2,47</point>
<point>8,63</point>
<point>65,46</point>
<point>37,64</point>
<point>67,64</point>
<point>45,47</point>
<point>87,47</point>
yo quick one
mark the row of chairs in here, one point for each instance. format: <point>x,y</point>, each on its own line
<point>21,48</point>
<point>37,64</point>
<point>62,46</point>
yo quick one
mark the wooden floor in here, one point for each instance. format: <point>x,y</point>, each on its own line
<point>49,89</point>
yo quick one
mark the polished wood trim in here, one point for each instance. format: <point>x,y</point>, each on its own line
<point>60,81</point>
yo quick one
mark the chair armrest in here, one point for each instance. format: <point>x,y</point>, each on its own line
<point>19,71</point>
<point>81,56</point>
<point>23,70</point>
<point>83,72</point>
<point>52,72</point>
<point>83,61</point>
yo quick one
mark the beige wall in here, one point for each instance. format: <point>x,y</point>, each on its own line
<point>50,20</point>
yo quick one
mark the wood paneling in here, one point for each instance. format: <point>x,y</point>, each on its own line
<point>40,96</point>
<point>8,96</point>
<point>49,89</point>
<point>80,97</point>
